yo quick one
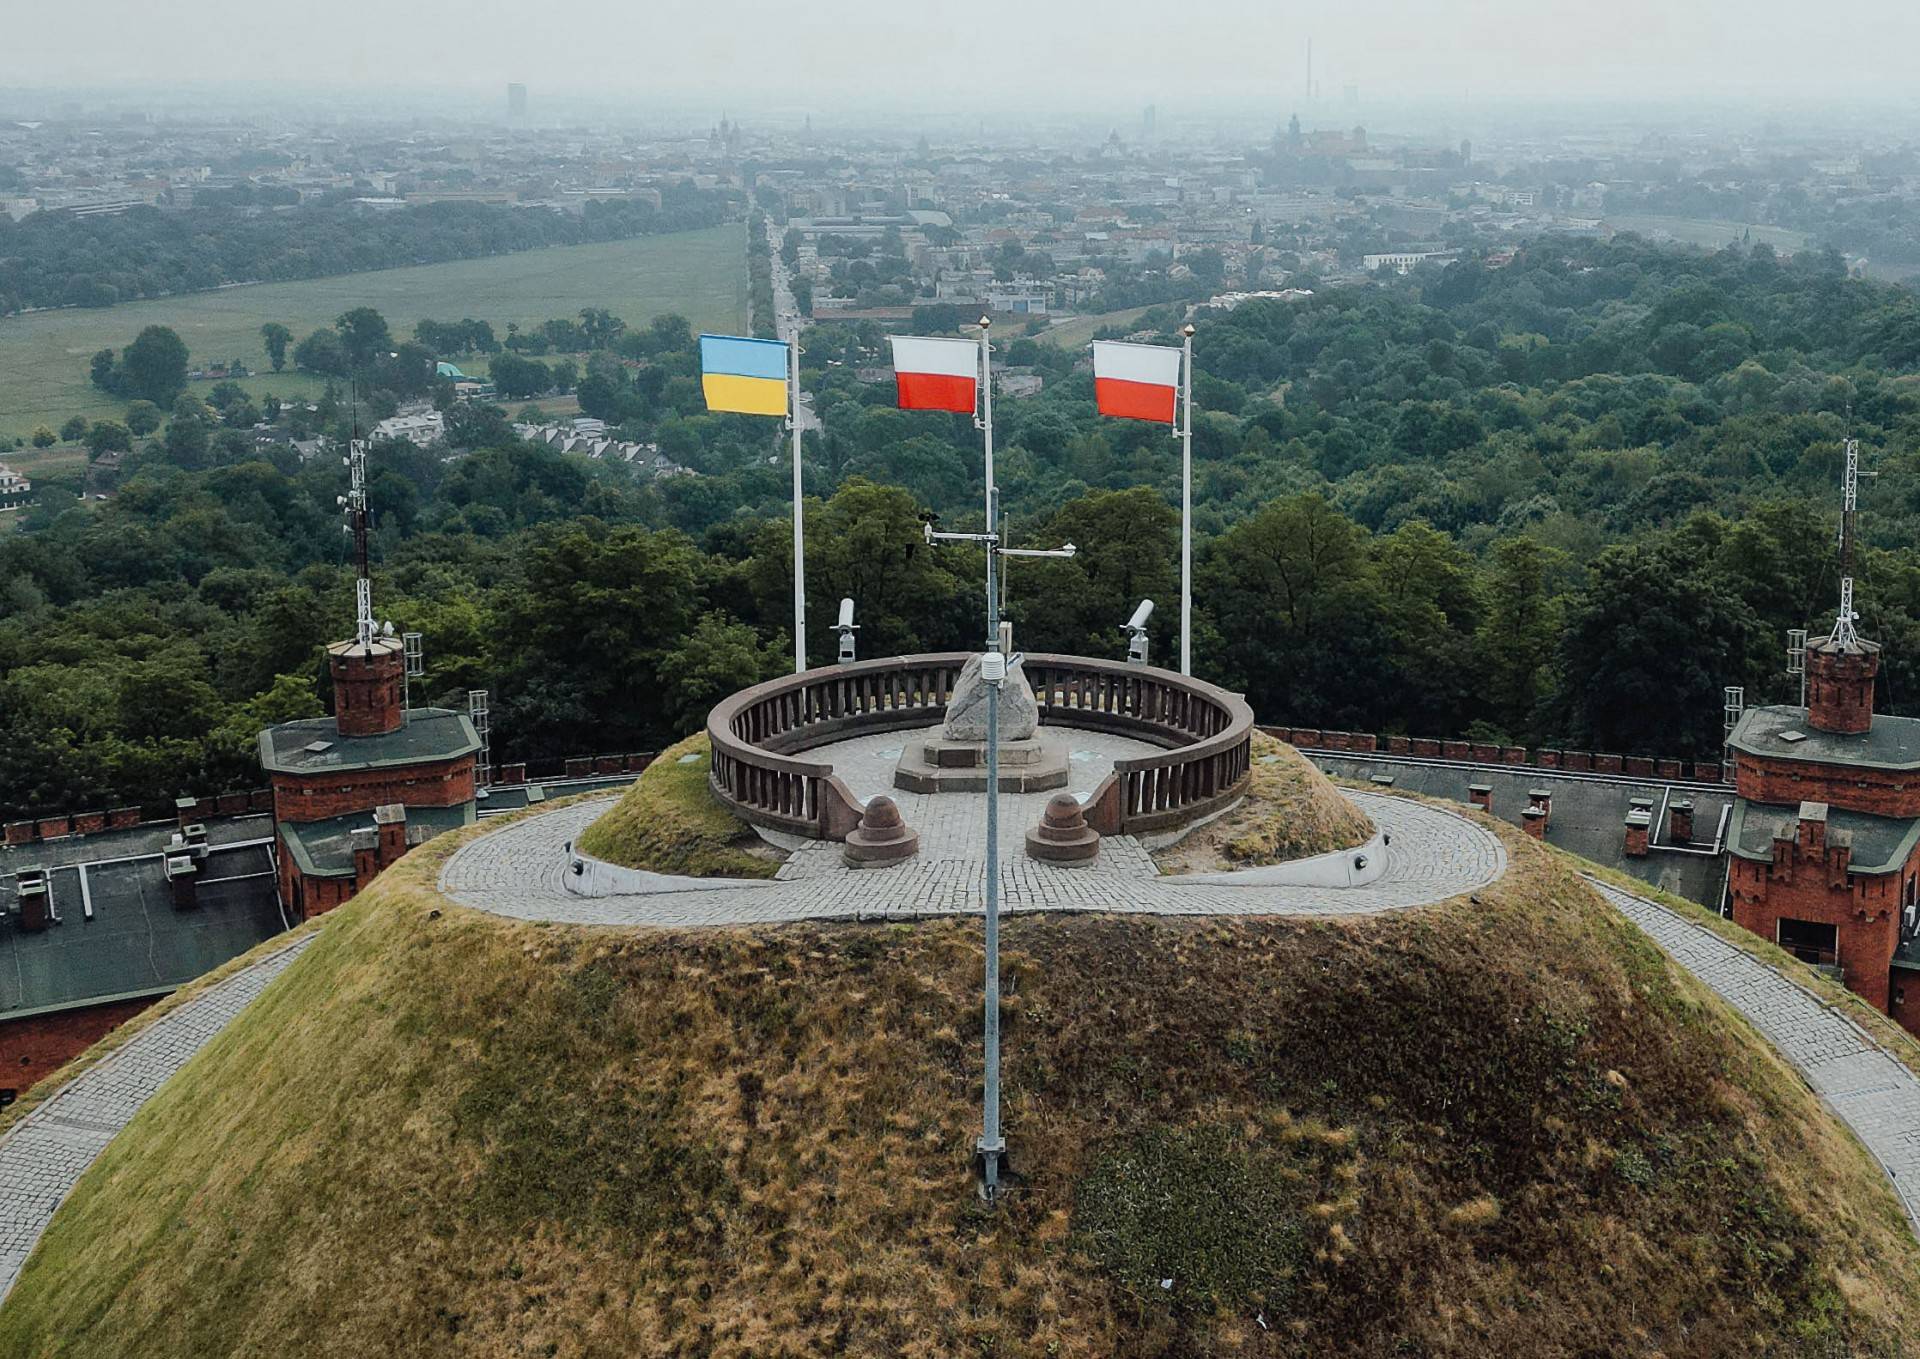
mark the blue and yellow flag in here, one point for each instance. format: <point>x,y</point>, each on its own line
<point>748,376</point>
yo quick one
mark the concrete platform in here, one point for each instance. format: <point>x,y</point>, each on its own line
<point>938,765</point>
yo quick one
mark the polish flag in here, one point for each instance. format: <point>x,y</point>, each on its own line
<point>936,375</point>
<point>1136,381</point>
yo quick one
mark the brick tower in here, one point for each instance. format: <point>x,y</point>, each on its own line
<point>351,792</point>
<point>1840,673</point>
<point>369,683</point>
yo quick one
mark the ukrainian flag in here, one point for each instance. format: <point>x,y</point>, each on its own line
<point>748,376</point>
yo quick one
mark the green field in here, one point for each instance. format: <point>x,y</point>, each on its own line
<point>700,274</point>
<point>1712,234</point>
<point>1079,330</point>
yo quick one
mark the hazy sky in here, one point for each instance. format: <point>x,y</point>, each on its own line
<point>1054,53</point>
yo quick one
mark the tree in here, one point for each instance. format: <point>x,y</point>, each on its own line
<point>322,352</point>
<point>74,430</point>
<point>1516,642</point>
<point>143,418</point>
<point>109,436</point>
<point>156,365</point>
<point>1648,646</point>
<point>277,338</point>
<point>45,438</point>
<point>364,336</point>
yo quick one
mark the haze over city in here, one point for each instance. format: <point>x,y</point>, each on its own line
<point>1055,55</point>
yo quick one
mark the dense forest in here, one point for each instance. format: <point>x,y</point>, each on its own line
<point>53,259</point>
<point>1563,501</point>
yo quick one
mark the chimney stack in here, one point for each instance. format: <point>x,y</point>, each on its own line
<point>1637,822</point>
<point>1533,821</point>
<point>35,913</point>
<point>1481,796</point>
<point>182,873</point>
<point>1680,821</point>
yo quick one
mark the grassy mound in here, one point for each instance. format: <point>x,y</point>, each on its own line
<point>1291,811</point>
<point>670,822</point>
<point>1500,1128</point>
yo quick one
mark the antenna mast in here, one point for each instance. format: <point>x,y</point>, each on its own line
<point>355,502</point>
<point>1843,631</point>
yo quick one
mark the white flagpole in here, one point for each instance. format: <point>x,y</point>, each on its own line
<point>799,521</point>
<point>1186,507</point>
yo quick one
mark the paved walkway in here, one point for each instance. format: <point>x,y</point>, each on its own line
<point>517,871</point>
<point>1860,1081</point>
<point>48,1149</point>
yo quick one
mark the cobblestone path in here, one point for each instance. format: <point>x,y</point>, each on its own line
<point>48,1149</point>
<point>519,871</point>
<point>1859,1080</point>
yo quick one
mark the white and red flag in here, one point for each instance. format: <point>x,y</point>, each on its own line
<point>1136,381</point>
<point>935,374</point>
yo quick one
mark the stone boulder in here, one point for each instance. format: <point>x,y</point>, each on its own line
<point>967,709</point>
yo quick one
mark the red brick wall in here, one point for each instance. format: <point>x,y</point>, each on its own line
<point>315,797</point>
<point>1805,883</point>
<point>35,1047</point>
<point>1762,778</point>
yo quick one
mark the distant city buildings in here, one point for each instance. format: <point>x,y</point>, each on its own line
<point>517,102</point>
<point>15,490</point>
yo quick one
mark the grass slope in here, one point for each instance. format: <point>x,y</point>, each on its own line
<point>1506,1128</point>
<point>699,274</point>
<point>670,822</point>
<point>1291,811</point>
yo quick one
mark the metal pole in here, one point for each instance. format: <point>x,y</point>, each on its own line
<point>1186,508</point>
<point>992,1145</point>
<point>799,513</point>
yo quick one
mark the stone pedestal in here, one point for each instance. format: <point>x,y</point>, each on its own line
<point>1063,835</point>
<point>881,838</point>
<point>942,765</point>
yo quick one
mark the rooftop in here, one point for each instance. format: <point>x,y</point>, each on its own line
<point>1881,844</point>
<point>1783,733</point>
<point>324,849</point>
<point>137,943</point>
<point>314,744</point>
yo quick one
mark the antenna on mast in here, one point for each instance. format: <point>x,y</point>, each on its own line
<point>1843,630</point>
<point>355,504</point>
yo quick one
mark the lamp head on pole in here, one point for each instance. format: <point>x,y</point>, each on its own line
<point>1187,330</point>
<point>985,322</point>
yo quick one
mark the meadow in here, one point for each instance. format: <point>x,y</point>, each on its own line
<point>700,274</point>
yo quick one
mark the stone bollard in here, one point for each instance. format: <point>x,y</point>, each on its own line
<point>1063,835</point>
<point>881,838</point>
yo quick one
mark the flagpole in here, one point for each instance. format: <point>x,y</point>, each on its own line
<point>799,519</point>
<point>1186,507</point>
<point>992,1145</point>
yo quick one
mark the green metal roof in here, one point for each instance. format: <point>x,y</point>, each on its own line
<point>1881,844</point>
<point>1891,743</point>
<point>137,944</point>
<point>324,849</point>
<point>429,734</point>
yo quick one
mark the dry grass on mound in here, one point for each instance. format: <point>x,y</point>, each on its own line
<point>1507,1128</point>
<point>1291,811</point>
<point>670,822</point>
